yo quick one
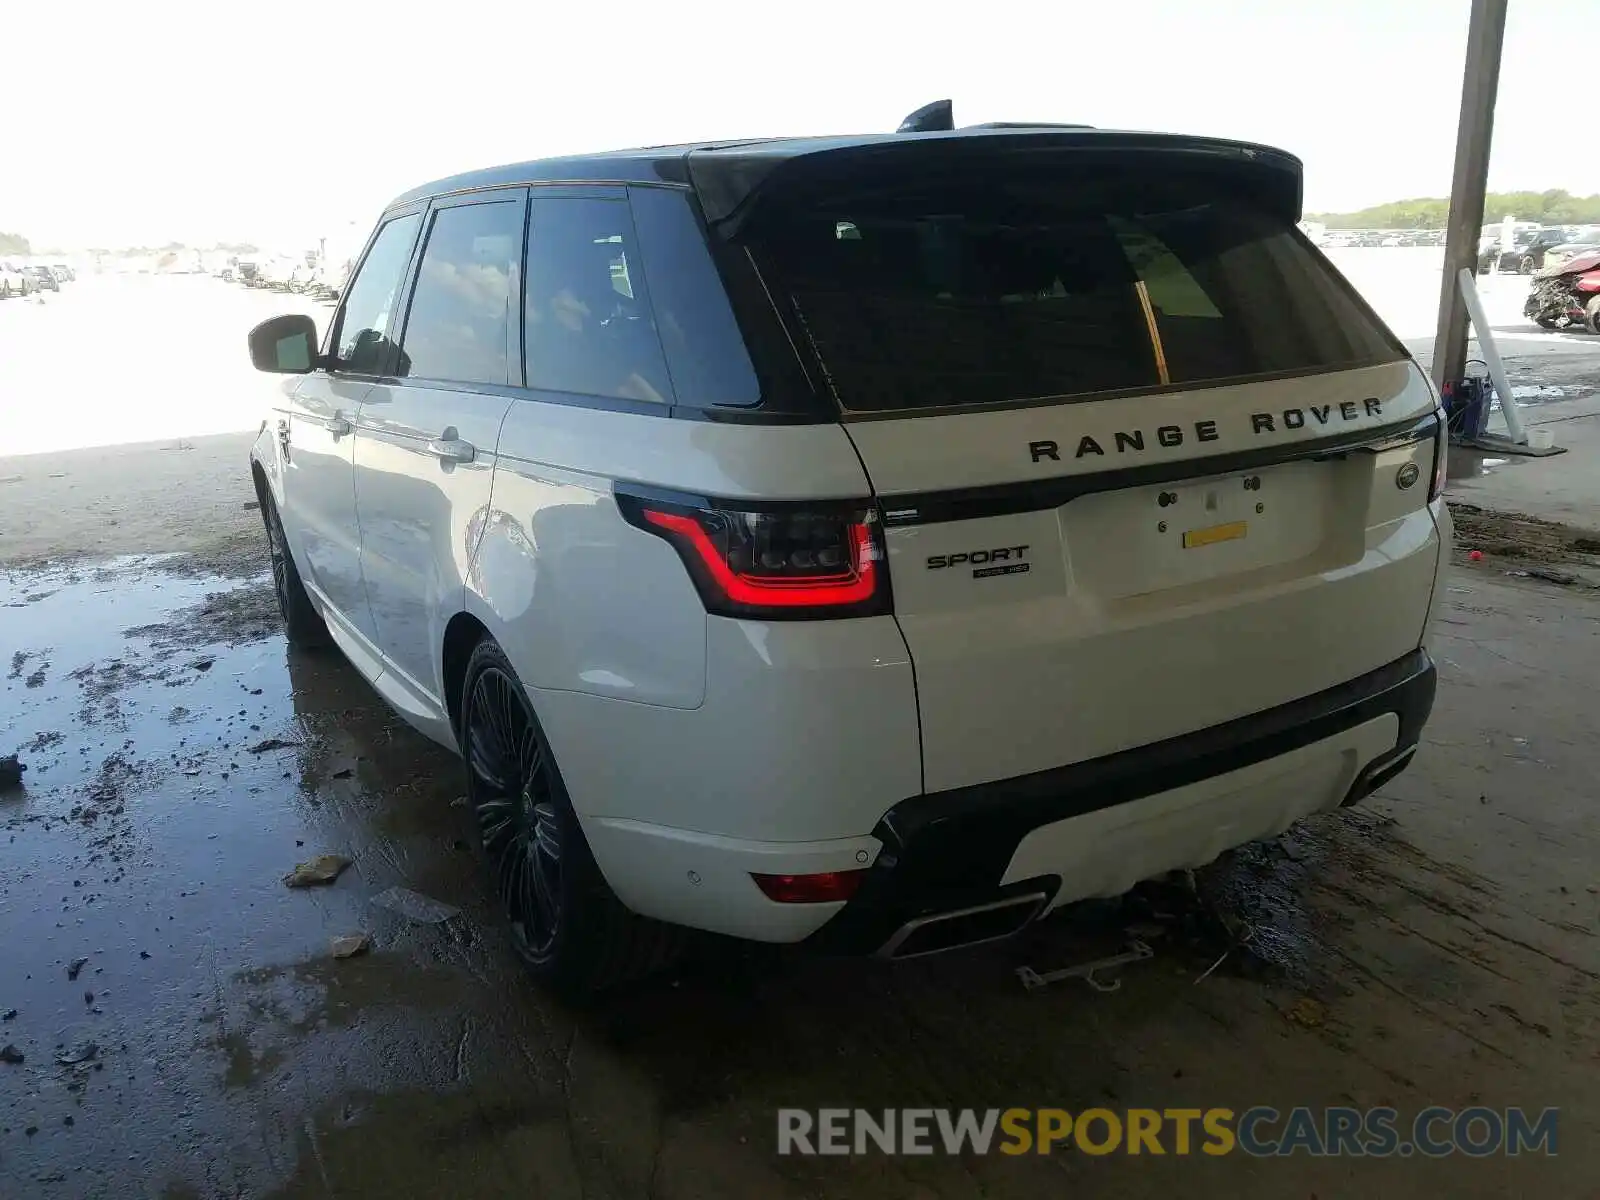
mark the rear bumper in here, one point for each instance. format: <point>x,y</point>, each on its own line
<point>1098,827</point>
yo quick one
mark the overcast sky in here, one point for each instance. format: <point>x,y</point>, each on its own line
<point>162,120</point>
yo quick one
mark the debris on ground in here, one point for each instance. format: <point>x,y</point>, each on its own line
<point>75,966</point>
<point>350,945</point>
<point>1090,972</point>
<point>203,664</point>
<point>1307,1013</point>
<point>314,872</point>
<point>1548,574</point>
<point>272,744</point>
<point>11,769</point>
<point>10,1054</point>
<point>80,1054</point>
<point>414,906</point>
<point>10,1014</point>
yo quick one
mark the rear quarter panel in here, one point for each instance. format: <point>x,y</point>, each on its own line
<point>656,711</point>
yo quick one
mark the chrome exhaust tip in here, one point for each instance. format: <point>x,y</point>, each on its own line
<point>1379,772</point>
<point>962,927</point>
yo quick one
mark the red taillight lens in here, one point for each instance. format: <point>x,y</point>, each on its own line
<point>810,889</point>
<point>1441,456</point>
<point>781,561</point>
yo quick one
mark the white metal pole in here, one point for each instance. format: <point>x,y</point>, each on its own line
<point>1491,356</point>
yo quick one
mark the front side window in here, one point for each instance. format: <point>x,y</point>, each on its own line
<point>589,327</point>
<point>363,344</point>
<point>956,294</point>
<point>460,326</point>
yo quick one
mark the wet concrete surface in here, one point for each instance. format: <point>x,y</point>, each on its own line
<point>1444,939</point>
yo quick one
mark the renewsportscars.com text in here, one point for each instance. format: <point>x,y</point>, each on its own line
<point>1259,1131</point>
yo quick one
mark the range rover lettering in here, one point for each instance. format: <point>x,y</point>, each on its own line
<point>869,542</point>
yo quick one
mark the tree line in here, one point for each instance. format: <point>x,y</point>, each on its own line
<point>1554,207</point>
<point>14,243</point>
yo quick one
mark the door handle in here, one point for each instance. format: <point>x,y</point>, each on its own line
<point>337,426</point>
<point>452,450</point>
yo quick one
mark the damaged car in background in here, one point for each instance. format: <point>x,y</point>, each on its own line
<point>1568,296</point>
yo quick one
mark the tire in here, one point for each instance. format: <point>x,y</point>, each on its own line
<point>302,624</point>
<point>1545,322</point>
<point>1526,265</point>
<point>1591,314</point>
<point>566,925</point>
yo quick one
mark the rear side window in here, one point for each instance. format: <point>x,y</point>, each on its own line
<point>704,347</point>
<point>363,345</point>
<point>588,327</point>
<point>460,327</point>
<point>952,295</point>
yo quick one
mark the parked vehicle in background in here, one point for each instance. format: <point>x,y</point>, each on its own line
<point>44,279</point>
<point>1527,253</point>
<point>1581,239</point>
<point>14,281</point>
<point>709,510</point>
<point>1568,296</point>
<point>249,272</point>
<point>63,272</point>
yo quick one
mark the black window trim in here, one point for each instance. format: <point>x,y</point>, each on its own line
<point>495,195</point>
<point>803,406</point>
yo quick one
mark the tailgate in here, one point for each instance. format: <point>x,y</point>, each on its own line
<point>1146,462</point>
<point>1088,612</point>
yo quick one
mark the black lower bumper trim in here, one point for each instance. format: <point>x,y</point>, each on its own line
<point>949,850</point>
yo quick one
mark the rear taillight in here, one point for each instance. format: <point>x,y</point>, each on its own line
<point>1441,455</point>
<point>771,560</point>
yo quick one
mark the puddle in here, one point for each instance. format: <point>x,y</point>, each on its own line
<point>149,840</point>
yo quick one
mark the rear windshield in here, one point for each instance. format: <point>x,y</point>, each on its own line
<point>951,296</point>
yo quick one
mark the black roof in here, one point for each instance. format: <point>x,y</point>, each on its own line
<point>725,174</point>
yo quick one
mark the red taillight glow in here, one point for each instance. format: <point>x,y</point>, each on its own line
<point>810,889</point>
<point>824,560</point>
<point>850,586</point>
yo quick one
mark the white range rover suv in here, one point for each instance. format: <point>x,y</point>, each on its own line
<point>873,542</point>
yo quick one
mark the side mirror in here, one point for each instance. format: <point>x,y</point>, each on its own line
<point>285,345</point>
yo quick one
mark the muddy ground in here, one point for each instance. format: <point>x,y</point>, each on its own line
<point>185,1031</point>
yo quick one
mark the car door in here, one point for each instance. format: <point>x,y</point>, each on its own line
<point>316,433</point>
<point>426,437</point>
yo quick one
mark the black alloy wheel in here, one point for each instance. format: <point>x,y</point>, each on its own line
<point>302,624</point>
<point>567,925</point>
<point>514,796</point>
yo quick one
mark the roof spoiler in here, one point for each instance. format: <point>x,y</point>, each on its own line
<point>730,179</point>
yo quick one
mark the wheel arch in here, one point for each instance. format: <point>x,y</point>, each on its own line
<point>463,632</point>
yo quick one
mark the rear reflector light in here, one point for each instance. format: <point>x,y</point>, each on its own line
<point>810,889</point>
<point>811,560</point>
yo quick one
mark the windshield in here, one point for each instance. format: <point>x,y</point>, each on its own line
<point>964,295</point>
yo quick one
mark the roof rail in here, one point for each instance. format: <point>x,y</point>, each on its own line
<point>1027,125</point>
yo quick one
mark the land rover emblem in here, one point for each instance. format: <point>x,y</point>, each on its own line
<point>1406,476</point>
